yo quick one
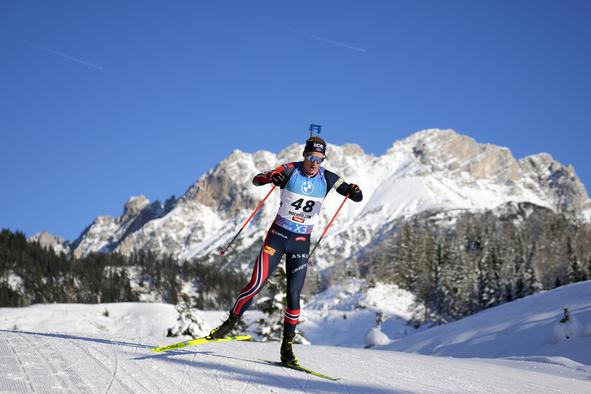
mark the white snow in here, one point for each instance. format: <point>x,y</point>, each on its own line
<point>375,336</point>
<point>523,328</point>
<point>106,348</point>
<point>34,361</point>
<point>15,282</point>
<point>566,330</point>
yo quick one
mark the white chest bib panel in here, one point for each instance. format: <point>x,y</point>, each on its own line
<point>301,200</point>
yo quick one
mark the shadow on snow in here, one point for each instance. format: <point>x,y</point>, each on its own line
<point>303,382</point>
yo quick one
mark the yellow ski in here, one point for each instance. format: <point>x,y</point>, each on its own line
<point>300,368</point>
<point>197,341</point>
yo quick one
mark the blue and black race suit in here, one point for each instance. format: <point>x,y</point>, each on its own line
<point>301,199</point>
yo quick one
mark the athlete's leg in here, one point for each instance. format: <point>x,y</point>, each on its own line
<point>296,267</point>
<point>265,264</point>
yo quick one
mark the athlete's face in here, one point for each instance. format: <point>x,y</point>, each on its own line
<point>311,167</point>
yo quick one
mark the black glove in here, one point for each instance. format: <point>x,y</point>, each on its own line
<point>353,190</point>
<point>278,178</point>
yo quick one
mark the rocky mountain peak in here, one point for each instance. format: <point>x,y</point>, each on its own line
<point>428,172</point>
<point>447,151</point>
<point>134,206</point>
<point>560,180</point>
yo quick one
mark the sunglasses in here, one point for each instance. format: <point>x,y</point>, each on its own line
<point>315,159</point>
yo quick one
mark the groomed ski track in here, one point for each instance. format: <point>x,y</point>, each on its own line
<point>55,362</point>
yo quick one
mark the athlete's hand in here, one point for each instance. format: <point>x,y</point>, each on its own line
<point>353,190</point>
<point>278,178</point>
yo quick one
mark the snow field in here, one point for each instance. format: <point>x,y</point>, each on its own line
<point>53,362</point>
<point>528,327</point>
<point>516,347</point>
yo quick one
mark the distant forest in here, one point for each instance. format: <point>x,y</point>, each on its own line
<point>478,260</point>
<point>455,268</point>
<point>31,274</point>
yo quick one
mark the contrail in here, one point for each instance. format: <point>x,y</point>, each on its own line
<point>341,44</point>
<point>64,55</point>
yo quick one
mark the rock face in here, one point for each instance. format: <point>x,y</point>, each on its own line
<point>429,172</point>
<point>47,240</point>
<point>106,234</point>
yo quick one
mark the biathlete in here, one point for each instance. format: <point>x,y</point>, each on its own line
<point>304,186</point>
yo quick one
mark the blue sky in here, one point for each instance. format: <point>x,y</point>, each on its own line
<point>100,101</point>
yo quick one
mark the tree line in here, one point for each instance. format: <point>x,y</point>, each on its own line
<point>478,260</point>
<point>31,274</point>
<point>455,267</point>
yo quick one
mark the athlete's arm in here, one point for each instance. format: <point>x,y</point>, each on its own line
<point>266,177</point>
<point>342,187</point>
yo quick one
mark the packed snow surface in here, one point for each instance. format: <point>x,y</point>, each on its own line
<point>54,362</point>
<point>106,348</point>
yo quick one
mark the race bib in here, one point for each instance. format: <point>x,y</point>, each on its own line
<point>301,200</point>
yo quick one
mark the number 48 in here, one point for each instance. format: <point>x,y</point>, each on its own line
<point>309,205</point>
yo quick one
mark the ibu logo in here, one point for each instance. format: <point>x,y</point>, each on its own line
<point>307,187</point>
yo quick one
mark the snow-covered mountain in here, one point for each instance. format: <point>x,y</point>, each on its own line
<point>431,171</point>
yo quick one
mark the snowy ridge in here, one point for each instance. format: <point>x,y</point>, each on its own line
<point>430,171</point>
<point>527,328</point>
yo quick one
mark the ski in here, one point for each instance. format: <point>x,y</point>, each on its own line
<point>197,341</point>
<point>298,367</point>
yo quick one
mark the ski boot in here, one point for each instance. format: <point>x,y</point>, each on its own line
<point>287,356</point>
<point>225,328</point>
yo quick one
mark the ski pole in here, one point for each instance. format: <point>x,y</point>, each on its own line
<point>223,251</point>
<point>329,223</point>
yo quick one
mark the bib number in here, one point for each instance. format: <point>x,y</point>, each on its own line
<point>308,207</point>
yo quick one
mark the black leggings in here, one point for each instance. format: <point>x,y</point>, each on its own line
<point>278,242</point>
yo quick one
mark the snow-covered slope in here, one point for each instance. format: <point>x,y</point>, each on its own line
<point>430,171</point>
<point>340,316</point>
<point>56,362</point>
<point>106,348</point>
<point>528,328</point>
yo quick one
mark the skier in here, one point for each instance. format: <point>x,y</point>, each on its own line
<point>304,185</point>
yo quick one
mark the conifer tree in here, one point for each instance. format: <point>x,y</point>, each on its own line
<point>576,272</point>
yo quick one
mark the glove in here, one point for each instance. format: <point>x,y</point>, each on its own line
<point>278,178</point>
<point>353,190</point>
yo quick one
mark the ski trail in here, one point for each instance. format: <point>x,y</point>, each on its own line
<point>218,378</point>
<point>56,364</point>
<point>148,382</point>
<point>186,369</point>
<point>100,360</point>
<point>6,379</point>
<point>291,374</point>
<point>247,384</point>
<point>114,372</point>
<point>149,377</point>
